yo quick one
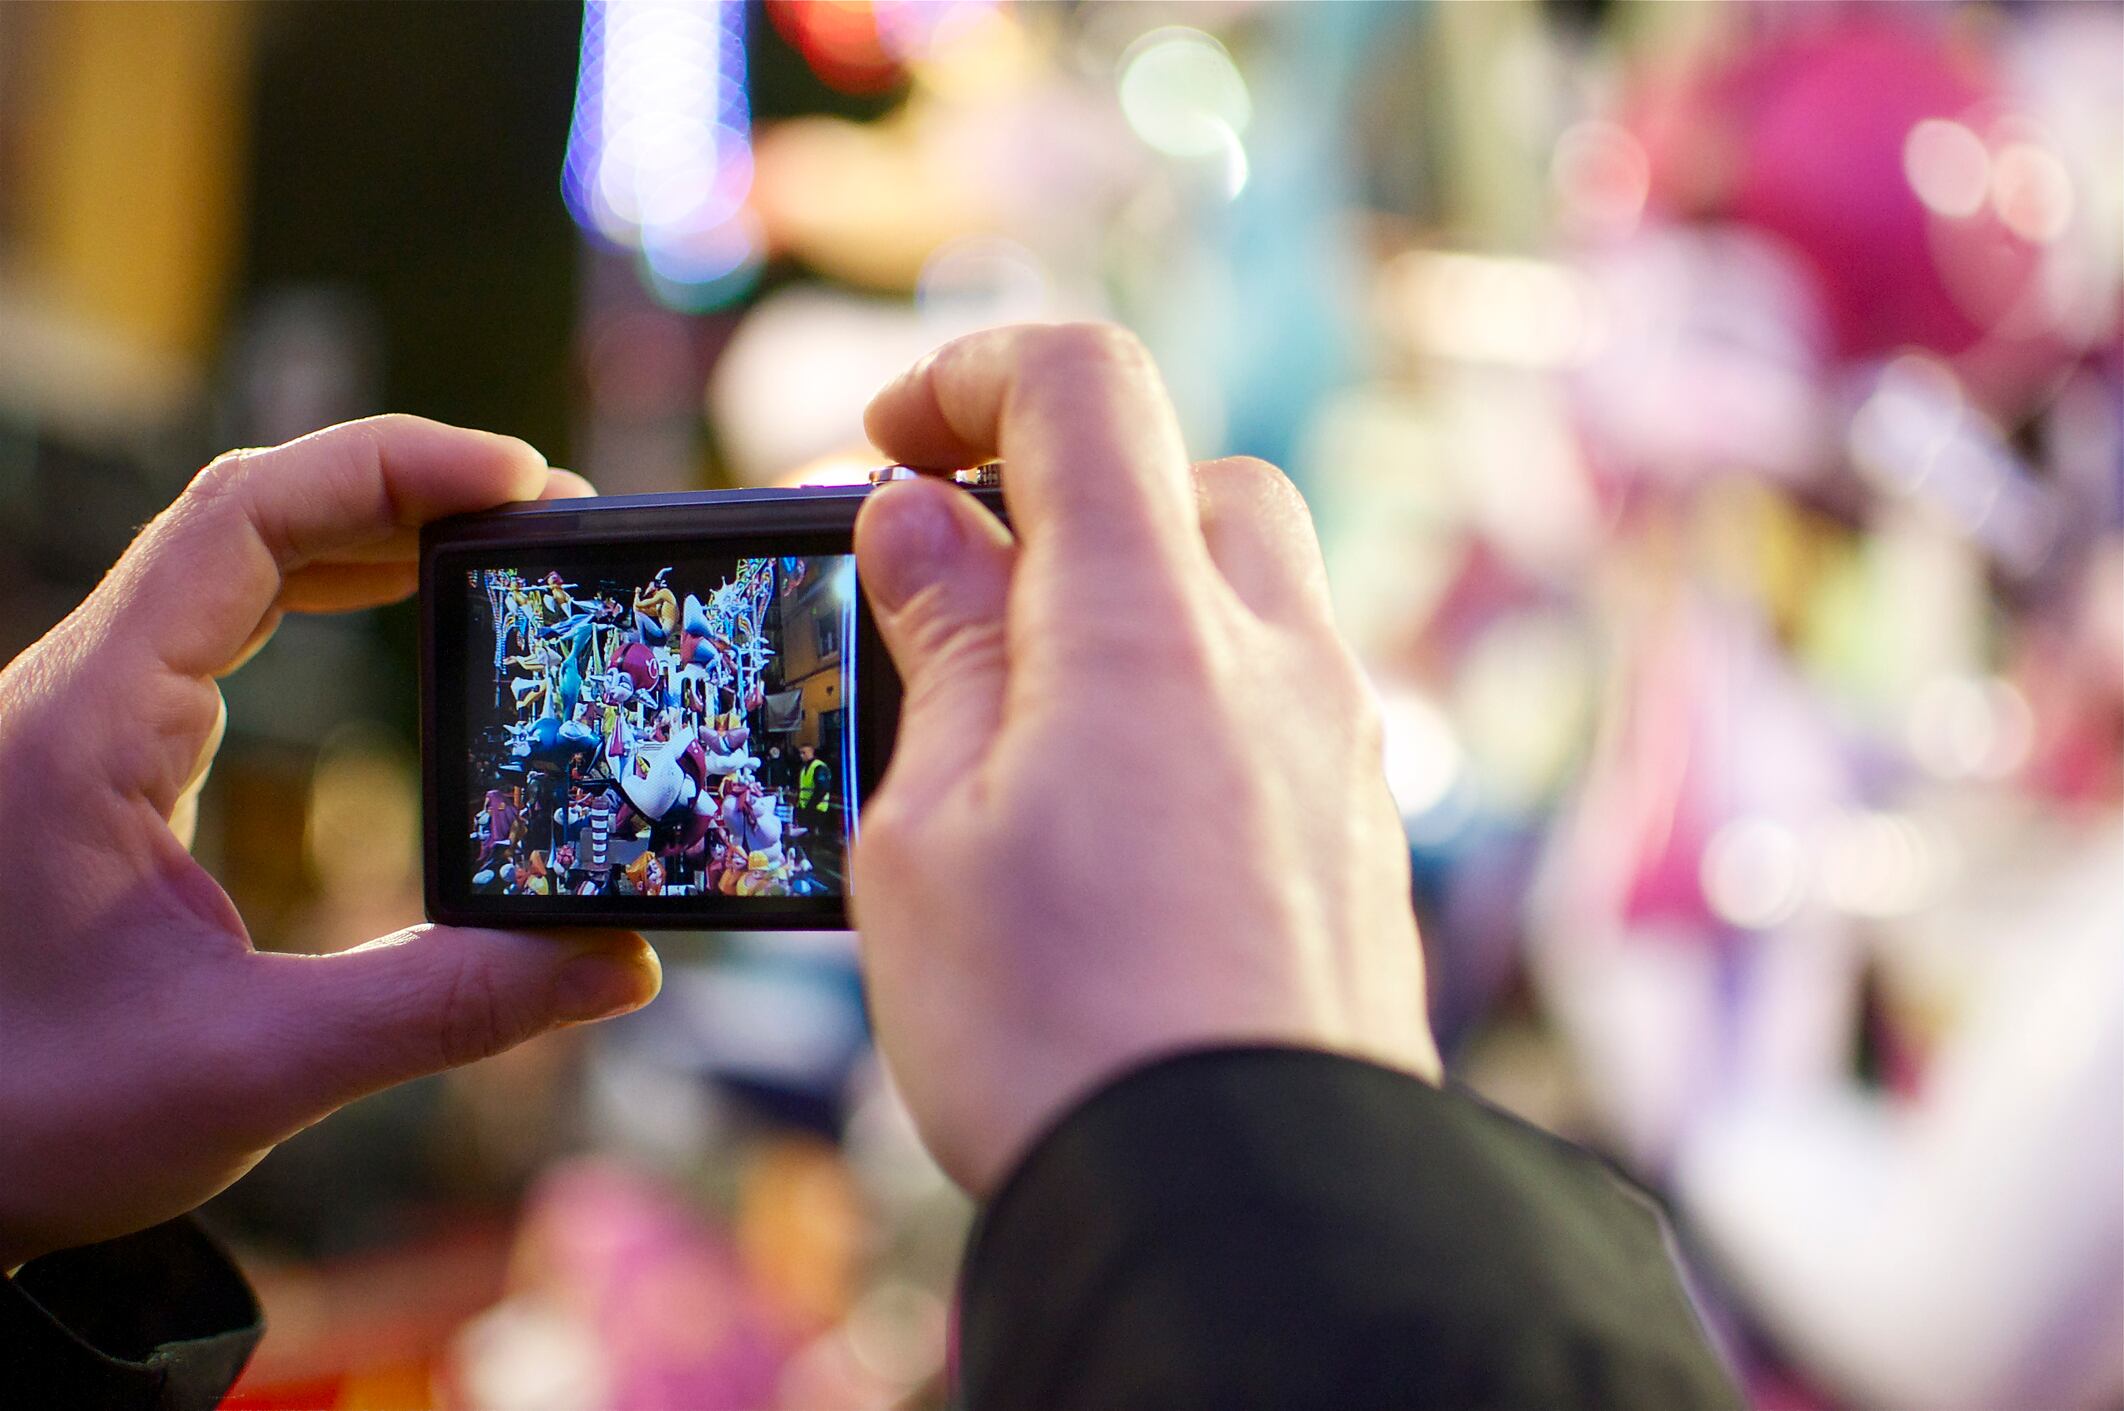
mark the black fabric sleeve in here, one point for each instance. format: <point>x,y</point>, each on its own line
<point>1290,1229</point>
<point>156,1321</point>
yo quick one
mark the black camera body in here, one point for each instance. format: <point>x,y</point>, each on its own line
<point>658,711</point>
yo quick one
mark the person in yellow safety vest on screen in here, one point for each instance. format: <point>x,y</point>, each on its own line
<point>815,796</point>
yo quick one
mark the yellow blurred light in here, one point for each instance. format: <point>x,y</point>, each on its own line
<point>1753,873</point>
<point>1182,94</point>
<point>1490,308</point>
<point>1947,167</point>
<point>361,829</point>
<point>976,53</point>
<point>1520,700</point>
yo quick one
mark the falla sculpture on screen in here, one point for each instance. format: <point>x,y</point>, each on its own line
<point>652,711</point>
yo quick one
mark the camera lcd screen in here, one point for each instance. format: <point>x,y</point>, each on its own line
<point>649,728</point>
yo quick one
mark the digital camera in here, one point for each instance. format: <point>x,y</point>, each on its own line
<point>651,711</point>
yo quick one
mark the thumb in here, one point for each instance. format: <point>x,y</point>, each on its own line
<point>436,997</point>
<point>936,568</point>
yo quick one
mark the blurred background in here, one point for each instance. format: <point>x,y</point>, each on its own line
<point>1714,418</point>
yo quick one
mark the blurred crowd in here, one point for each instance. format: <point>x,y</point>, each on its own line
<point>1714,419</point>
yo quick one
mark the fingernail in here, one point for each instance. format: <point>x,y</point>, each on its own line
<point>596,987</point>
<point>912,539</point>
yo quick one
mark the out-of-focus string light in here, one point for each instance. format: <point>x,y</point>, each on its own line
<point>660,151</point>
<point>1183,96</point>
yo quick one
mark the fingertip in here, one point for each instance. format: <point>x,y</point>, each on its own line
<point>887,398</point>
<point>630,946</point>
<point>526,450</point>
<point>906,537</point>
<point>605,974</point>
<point>907,421</point>
<point>566,485</point>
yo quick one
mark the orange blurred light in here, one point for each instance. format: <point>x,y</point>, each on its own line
<point>839,39</point>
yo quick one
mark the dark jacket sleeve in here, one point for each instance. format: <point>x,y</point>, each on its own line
<point>157,1321</point>
<point>1289,1229</point>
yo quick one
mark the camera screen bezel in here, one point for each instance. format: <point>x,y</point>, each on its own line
<point>569,535</point>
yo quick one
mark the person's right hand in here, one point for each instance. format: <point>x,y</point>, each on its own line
<point>1137,802</point>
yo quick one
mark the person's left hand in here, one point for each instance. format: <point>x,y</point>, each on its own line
<point>148,1054</point>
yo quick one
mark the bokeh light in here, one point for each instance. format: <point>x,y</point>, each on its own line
<point>1754,873</point>
<point>1423,754</point>
<point>660,152</point>
<point>1183,95</point>
<point>1947,167</point>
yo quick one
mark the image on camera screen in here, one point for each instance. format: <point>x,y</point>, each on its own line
<point>662,728</point>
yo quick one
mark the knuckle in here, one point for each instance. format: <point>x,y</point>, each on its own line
<point>1160,647</point>
<point>221,475</point>
<point>950,646</point>
<point>384,424</point>
<point>1089,344</point>
<point>1196,661</point>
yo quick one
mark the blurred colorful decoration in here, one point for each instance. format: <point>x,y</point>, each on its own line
<point>621,1295</point>
<point>1883,152</point>
<point>660,152</point>
<point>1714,418</point>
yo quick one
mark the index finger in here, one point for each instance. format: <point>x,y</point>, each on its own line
<point>1096,475</point>
<point>195,585</point>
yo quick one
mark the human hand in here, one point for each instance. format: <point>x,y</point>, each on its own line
<point>1118,727</point>
<point>148,1055</point>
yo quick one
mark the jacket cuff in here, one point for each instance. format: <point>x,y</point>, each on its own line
<point>1225,1226</point>
<point>155,1321</point>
